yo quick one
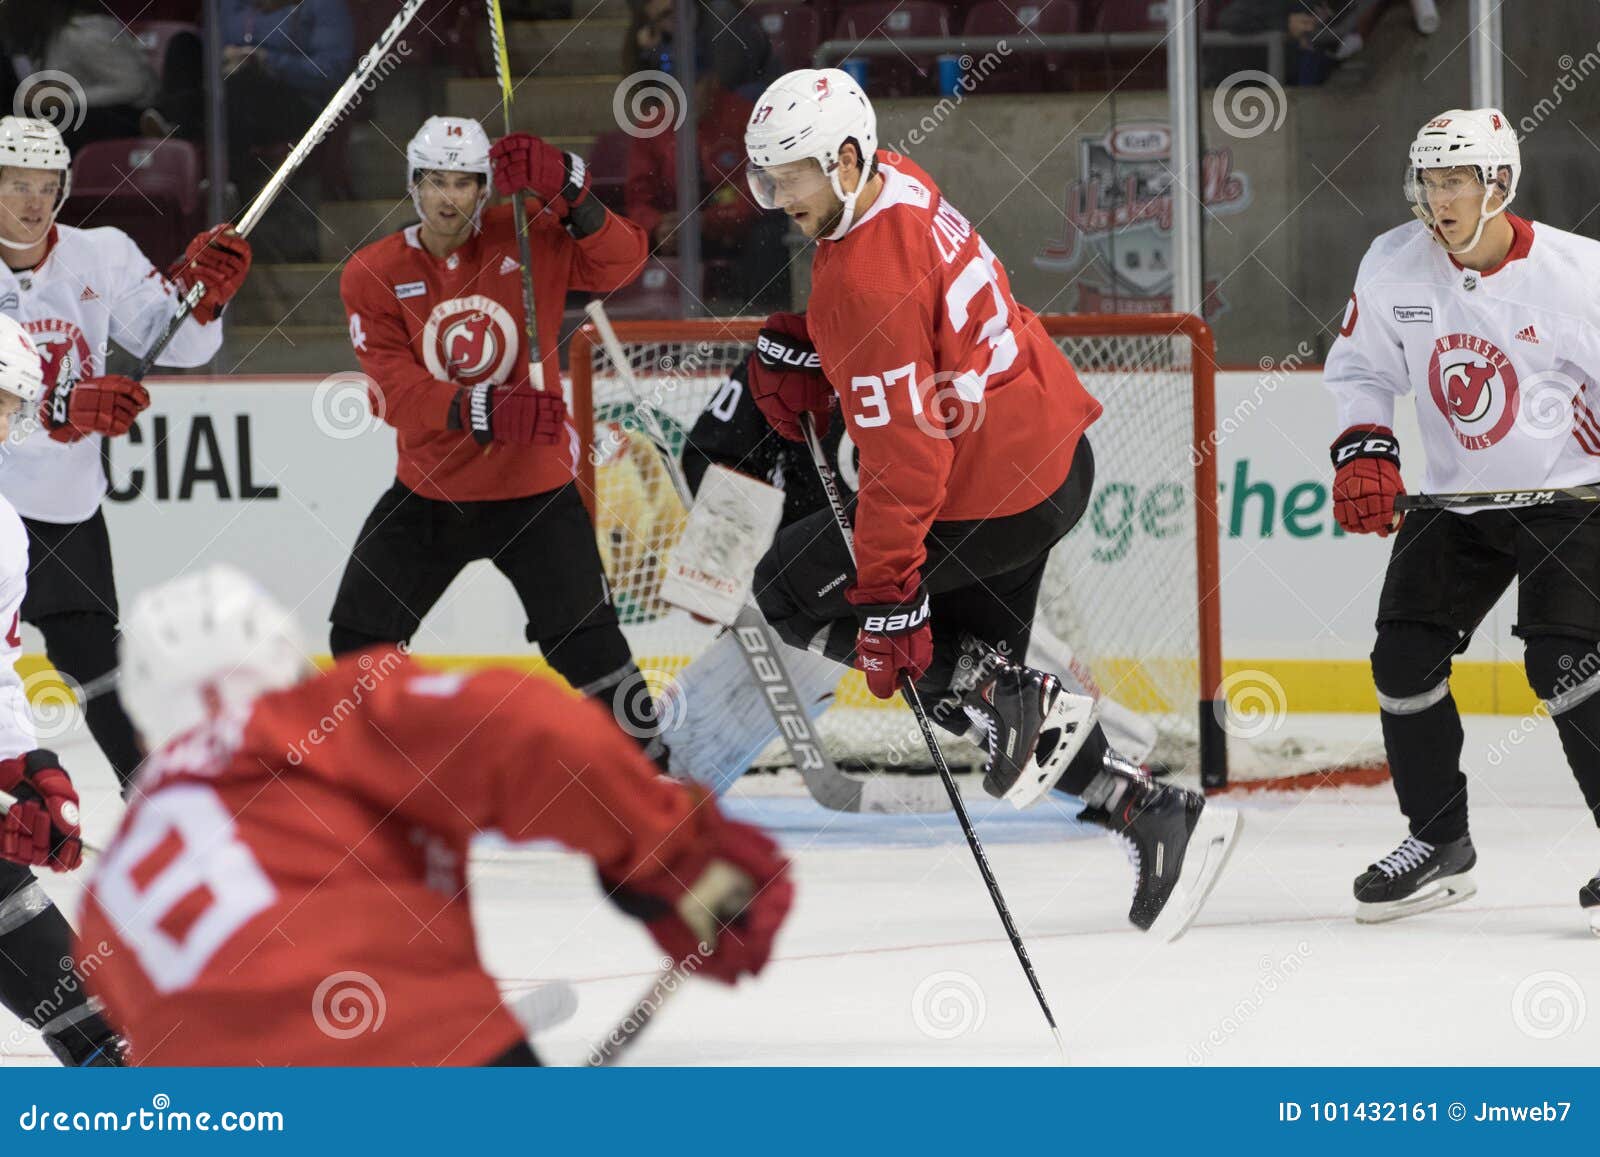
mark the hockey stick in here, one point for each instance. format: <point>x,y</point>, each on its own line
<point>321,127</point>
<point>834,789</point>
<point>627,1032</point>
<point>830,487</point>
<point>1502,498</point>
<point>519,211</point>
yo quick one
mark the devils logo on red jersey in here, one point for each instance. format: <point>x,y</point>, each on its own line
<point>1474,385</point>
<point>470,340</point>
<point>63,349</point>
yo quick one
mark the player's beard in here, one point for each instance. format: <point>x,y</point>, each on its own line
<point>830,222</point>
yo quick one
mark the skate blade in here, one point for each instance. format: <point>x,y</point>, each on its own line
<point>1440,894</point>
<point>1215,835</point>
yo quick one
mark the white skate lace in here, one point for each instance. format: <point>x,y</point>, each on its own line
<point>1412,853</point>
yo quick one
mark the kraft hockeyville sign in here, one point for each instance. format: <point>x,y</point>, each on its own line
<point>266,474</point>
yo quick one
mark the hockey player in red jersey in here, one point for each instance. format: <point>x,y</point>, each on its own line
<point>487,457</point>
<point>291,826</point>
<point>970,426</point>
<point>1492,322</point>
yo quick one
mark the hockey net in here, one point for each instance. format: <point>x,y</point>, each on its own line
<point>1132,591</point>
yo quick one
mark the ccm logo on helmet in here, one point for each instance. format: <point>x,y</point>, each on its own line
<point>898,622</point>
<point>777,353</point>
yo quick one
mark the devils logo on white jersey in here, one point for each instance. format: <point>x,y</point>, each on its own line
<point>1474,385</point>
<point>470,340</point>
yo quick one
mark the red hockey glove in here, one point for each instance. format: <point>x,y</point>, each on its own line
<point>725,894</point>
<point>42,826</point>
<point>525,164</point>
<point>1366,480</point>
<point>516,414</point>
<point>896,637</point>
<point>106,405</point>
<point>220,258</point>
<point>785,375</point>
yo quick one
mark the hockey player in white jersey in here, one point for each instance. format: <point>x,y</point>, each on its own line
<point>38,980</point>
<point>1493,324</point>
<point>76,290</point>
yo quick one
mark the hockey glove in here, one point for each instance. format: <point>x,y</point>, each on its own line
<point>42,826</point>
<point>896,637</point>
<point>1366,480</point>
<point>785,375</point>
<point>525,164</point>
<point>107,405</point>
<point>219,258</point>
<point>717,906</point>
<point>515,414</point>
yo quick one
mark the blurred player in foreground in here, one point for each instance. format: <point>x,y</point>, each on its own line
<point>39,983</point>
<point>1492,321</point>
<point>291,826</point>
<point>970,427</point>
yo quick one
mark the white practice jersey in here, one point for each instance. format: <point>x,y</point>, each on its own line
<point>1504,364</point>
<point>16,717</point>
<point>93,284</point>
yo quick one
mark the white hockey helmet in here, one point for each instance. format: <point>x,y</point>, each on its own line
<point>809,114</point>
<point>1481,139</point>
<point>35,143</point>
<point>206,643</point>
<point>451,145</point>
<point>21,370</point>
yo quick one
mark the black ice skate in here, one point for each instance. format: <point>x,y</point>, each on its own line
<point>81,1039</point>
<point>1177,841</point>
<point>1589,898</point>
<point>1032,727</point>
<point>1415,877</point>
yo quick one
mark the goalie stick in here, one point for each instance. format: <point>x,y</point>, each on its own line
<point>320,128</point>
<point>908,689</point>
<point>1502,498</point>
<point>834,789</point>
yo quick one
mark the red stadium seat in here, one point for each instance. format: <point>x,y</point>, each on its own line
<point>792,29</point>
<point>895,74</point>
<point>154,36</point>
<point>148,188</point>
<point>1127,69</point>
<point>1025,72</point>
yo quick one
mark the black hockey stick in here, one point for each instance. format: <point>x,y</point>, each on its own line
<point>830,487</point>
<point>519,211</point>
<point>321,127</point>
<point>627,1032</point>
<point>1501,498</point>
<point>834,789</point>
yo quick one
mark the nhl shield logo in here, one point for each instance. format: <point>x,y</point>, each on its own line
<point>469,340</point>
<point>1474,385</point>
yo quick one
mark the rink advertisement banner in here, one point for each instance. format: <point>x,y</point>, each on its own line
<point>278,475</point>
<point>800,1111</point>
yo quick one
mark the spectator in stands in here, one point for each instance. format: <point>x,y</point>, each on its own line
<point>732,226</point>
<point>281,61</point>
<point>102,58</point>
<point>1299,20</point>
<point>730,42</point>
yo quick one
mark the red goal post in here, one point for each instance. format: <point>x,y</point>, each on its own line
<point>1135,593</point>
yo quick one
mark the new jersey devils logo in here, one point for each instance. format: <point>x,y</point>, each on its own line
<point>1474,385</point>
<point>469,340</point>
<point>63,349</point>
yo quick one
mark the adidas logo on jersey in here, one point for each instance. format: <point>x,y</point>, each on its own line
<point>1526,334</point>
<point>88,294</point>
<point>509,265</point>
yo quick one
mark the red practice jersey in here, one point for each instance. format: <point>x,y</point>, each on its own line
<point>325,836</point>
<point>424,326</point>
<point>960,405</point>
